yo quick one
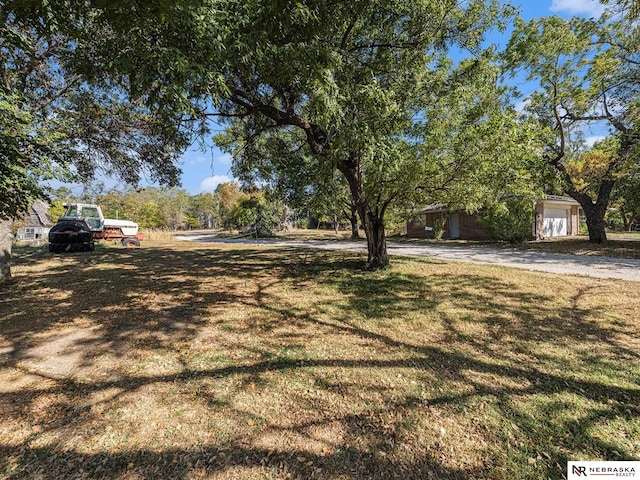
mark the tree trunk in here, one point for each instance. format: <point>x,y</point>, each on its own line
<point>336,224</point>
<point>355,234</point>
<point>595,211</point>
<point>595,224</point>
<point>626,225</point>
<point>372,221</point>
<point>285,223</point>
<point>376,243</point>
<point>6,240</point>
<point>632,220</point>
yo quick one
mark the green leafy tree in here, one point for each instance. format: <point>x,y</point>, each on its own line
<point>174,205</point>
<point>227,197</point>
<point>627,197</point>
<point>112,203</point>
<point>296,179</point>
<point>330,201</point>
<point>630,9</point>
<point>204,211</point>
<point>510,219</point>
<point>245,213</point>
<point>345,81</point>
<point>588,74</point>
<point>256,213</point>
<point>143,207</point>
<point>588,169</point>
<point>59,197</point>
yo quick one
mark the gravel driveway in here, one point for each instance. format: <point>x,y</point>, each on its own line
<point>592,266</point>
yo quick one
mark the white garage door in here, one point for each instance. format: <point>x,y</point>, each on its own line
<point>555,223</point>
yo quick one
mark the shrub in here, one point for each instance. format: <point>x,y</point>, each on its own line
<point>613,221</point>
<point>510,220</point>
<point>302,223</point>
<point>438,228</point>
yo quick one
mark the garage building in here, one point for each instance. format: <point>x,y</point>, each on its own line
<point>556,216</point>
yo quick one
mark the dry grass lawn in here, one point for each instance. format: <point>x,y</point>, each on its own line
<point>188,361</point>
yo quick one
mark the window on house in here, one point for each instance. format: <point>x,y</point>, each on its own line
<point>419,220</point>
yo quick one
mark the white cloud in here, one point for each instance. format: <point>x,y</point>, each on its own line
<point>592,8</point>
<point>590,141</point>
<point>210,184</point>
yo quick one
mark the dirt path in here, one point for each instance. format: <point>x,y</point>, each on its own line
<point>592,266</point>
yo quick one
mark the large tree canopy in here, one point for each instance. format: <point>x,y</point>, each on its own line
<point>349,82</point>
<point>353,85</point>
<point>53,116</point>
<point>588,74</point>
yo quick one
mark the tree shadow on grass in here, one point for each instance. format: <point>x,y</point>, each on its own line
<point>379,387</point>
<point>508,312</point>
<point>51,463</point>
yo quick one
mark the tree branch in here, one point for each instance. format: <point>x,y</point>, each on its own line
<point>317,138</point>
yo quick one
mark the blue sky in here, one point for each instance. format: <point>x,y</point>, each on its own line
<point>202,171</point>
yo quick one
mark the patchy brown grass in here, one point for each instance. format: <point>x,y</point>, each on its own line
<point>234,362</point>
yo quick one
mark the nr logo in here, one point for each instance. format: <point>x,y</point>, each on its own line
<point>578,471</point>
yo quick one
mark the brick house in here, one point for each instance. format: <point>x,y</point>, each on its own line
<point>556,216</point>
